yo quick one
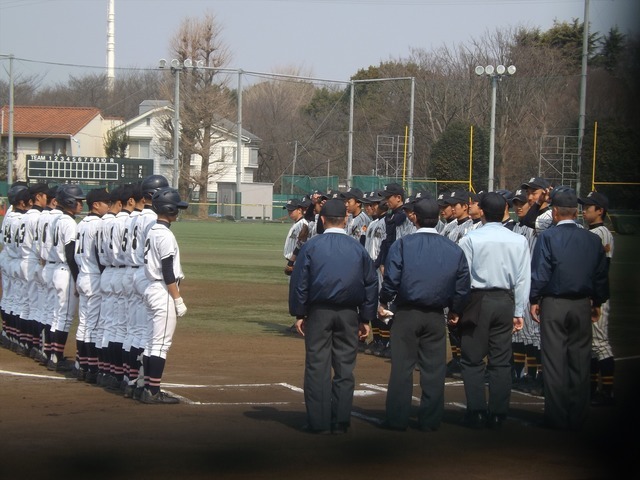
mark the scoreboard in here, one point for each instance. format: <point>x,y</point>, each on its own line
<point>99,170</point>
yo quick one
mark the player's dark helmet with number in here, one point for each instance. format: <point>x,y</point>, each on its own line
<point>152,183</point>
<point>167,201</point>
<point>68,195</point>
<point>14,190</point>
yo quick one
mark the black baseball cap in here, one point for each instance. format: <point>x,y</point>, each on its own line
<point>38,188</point>
<point>441,198</point>
<point>352,193</point>
<point>536,183</point>
<point>427,208</point>
<point>393,189</point>
<point>409,203</point>
<point>334,207</point>
<point>292,204</point>
<point>476,196</point>
<point>493,204</point>
<point>595,198</point>
<point>23,195</point>
<point>421,194</point>
<point>457,196</point>
<point>319,193</point>
<point>375,196</point>
<point>564,197</point>
<point>98,195</point>
<point>507,194</point>
<point>520,195</point>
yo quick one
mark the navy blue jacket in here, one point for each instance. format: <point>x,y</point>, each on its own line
<point>569,262</point>
<point>426,270</point>
<point>334,269</point>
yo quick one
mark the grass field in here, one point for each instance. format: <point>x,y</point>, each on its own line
<point>234,281</point>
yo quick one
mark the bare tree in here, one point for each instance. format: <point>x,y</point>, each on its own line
<point>276,109</point>
<point>205,102</point>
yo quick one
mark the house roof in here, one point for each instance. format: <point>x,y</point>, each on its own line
<point>33,121</point>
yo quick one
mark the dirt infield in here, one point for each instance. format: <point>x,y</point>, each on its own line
<point>240,417</point>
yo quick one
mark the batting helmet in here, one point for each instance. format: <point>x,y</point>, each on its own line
<point>167,201</point>
<point>68,195</point>
<point>152,183</point>
<point>14,190</point>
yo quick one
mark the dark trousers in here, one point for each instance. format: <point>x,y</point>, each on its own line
<point>487,326</point>
<point>565,341</point>
<point>331,342</point>
<point>418,338</point>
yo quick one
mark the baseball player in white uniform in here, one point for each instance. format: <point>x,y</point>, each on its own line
<point>162,296</point>
<point>88,285</point>
<point>106,325</point>
<point>298,233</point>
<point>594,210</point>
<point>375,234</point>
<point>47,296</point>
<point>446,222</point>
<point>31,270</point>
<point>132,347</point>
<point>475,212</point>
<point>526,342</point>
<point>12,285</point>
<point>358,219</point>
<point>138,230</point>
<point>65,271</point>
<point>458,224</point>
<point>121,320</point>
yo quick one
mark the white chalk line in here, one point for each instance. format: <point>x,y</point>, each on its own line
<point>368,391</point>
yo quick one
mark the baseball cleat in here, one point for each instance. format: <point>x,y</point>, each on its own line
<point>158,398</point>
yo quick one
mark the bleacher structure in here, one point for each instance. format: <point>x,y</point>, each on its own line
<point>558,161</point>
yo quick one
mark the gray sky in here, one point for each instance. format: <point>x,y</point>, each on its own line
<point>328,39</point>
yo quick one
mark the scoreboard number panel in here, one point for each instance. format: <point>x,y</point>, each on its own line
<point>87,169</point>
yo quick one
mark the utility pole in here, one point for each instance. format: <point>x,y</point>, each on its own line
<point>583,93</point>
<point>11,153</point>
<point>293,167</point>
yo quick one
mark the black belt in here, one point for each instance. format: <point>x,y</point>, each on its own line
<point>135,266</point>
<point>121,266</point>
<point>53,262</point>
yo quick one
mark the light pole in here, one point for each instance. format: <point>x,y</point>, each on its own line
<point>176,68</point>
<point>494,74</point>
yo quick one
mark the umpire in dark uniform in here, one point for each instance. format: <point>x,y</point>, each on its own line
<point>499,261</point>
<point>570,281</point>
<point>333,295</point>
<point>424,273</point>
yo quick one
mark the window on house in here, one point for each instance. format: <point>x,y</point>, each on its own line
<point>52,146</point>
<point>228,154</point>
<point>139,149</point>
<point>253,156</point>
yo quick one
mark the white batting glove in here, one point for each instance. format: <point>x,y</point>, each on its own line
<point>181,308</point>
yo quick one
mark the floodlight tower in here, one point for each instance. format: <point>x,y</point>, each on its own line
<point>494,74</point>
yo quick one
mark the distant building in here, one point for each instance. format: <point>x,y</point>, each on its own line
<point>61,131</point>
<point>148,138</point>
